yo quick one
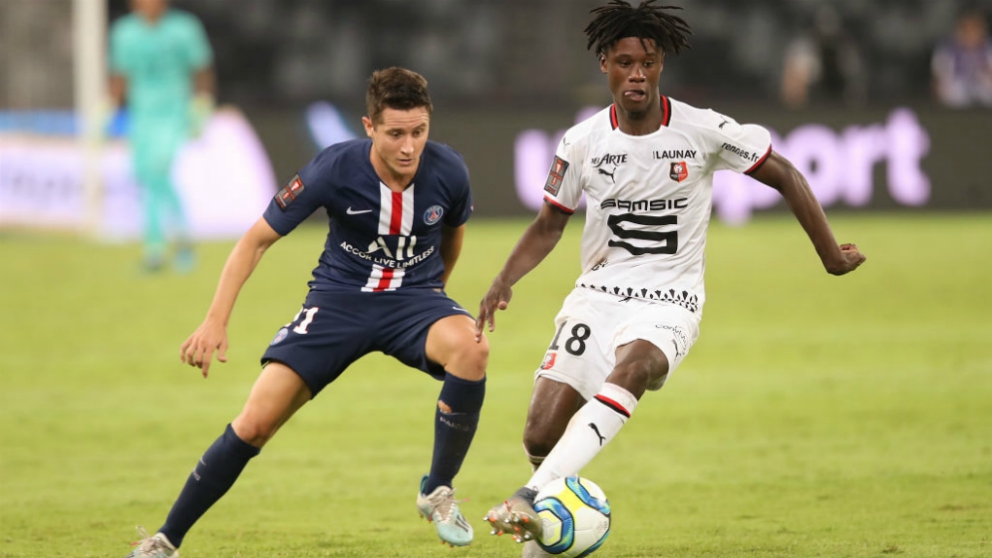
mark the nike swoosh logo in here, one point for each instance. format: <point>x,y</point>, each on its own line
<point>460,309</point>
<point>351,211</point>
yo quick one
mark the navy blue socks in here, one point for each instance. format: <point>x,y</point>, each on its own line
<point>211,478</point>
<point>453,432</point>
<point>223,462</point>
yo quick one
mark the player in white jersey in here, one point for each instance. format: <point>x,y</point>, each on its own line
<point>646,166</point>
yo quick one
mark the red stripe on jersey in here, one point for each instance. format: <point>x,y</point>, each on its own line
<point>396,215</point>
<point>613,405</point>
<point>613,116</point>
<point>387,278</point>
<point>563,209</point>
<point>760,161</point>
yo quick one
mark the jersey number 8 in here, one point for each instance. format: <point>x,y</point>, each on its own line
<point>576,344</point>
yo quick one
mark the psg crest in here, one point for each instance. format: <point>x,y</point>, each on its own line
<point>280,336</point>
<point>679,171</point>
<point>433,214</point>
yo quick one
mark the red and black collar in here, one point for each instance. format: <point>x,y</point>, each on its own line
<point>666,109</point>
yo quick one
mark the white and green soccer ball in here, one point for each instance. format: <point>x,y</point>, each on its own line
<point>575,517</point>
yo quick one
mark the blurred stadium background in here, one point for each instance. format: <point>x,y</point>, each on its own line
<point>507,77</point>
<point>816,416</point>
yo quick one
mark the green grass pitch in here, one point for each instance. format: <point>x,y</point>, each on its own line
<point>817,416</point>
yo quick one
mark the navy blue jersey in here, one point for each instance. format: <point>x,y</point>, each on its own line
<point>379,240</point>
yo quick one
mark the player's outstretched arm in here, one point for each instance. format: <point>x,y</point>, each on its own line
<point>780,174</point>
<point>534,245</point>
<point>211,336</point>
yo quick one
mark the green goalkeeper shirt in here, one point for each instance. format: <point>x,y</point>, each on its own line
<point>158,60</point>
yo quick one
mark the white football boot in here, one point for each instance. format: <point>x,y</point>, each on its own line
<point>441,508</point>
<point>157,546</point>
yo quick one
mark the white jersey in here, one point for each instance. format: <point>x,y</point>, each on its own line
<point>649,197</point>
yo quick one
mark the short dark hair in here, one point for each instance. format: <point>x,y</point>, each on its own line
<point>396,88</point>
<point>618,20</point>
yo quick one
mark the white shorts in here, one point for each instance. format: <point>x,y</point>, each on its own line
<point>591,325</point>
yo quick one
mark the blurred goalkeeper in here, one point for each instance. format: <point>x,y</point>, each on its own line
<point>160,62</point>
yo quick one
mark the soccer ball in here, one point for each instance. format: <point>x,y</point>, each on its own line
<point>575,517</point>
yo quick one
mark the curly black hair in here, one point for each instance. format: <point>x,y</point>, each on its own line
<point>618,20</point>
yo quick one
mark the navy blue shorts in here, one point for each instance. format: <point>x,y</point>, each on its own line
<point>335,329</point>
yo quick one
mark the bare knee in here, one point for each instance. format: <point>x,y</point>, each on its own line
<point>639,365</point>
<point>451,342</point>
<point>552,407</point>
<point>277,394</point>
<point>635,375</point>
<point>253,429</point>
<point>542,432</point>
<point>538,444</point>
<point>468,361</point>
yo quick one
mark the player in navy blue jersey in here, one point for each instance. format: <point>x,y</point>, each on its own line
<point>397,204</point>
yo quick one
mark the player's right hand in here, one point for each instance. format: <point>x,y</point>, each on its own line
<point>851,258</point>
<point>199,349</point>
<point>498,297</point>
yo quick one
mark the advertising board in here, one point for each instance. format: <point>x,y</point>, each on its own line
<point>224,177</point>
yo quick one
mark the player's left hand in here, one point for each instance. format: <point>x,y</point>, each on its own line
<point>199,349</point>
<point>498,297</point>
<point>851,258</point>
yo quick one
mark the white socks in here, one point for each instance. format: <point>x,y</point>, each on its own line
<point>590,429</point>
